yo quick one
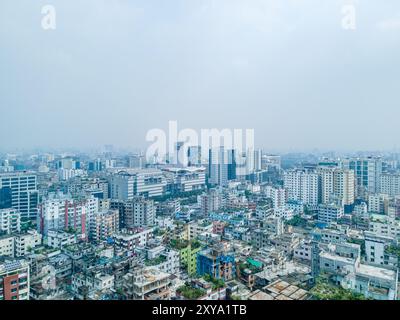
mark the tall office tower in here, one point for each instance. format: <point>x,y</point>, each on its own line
<point>278,196</point>
<point>95,165</point>
<point>24,193</point>
<point>390,184</point>
<point>257,159</point>
<point>218,166</point>
<point>139,212</point>
<point>367,172</point>
<point>250,161</point>
<point>137,161</point>
<point>14,280</point>
<point>60,212</point>
<point>10,221</point>
<point>180,158</point>
<point>68,163</point>
<point>194,156</point>
<point>231,164</point>
<point>5,198</point>
<point>302,185</point>
<point>103,224</point>
<point>336,185</point>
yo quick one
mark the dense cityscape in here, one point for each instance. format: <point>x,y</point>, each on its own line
<point>123,226</point>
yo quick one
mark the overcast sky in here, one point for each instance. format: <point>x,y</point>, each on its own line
<point>113,69</point>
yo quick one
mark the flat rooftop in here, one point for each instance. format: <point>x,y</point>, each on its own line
<point>376,272</point>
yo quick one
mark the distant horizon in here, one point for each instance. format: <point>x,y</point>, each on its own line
<point>110,71</point>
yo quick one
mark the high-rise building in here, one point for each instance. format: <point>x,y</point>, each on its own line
<point>60,212</point>
<point>218,166</point>
<point>336,185</point>
<point>277,195</point>
<point>5,198</point>
<point>302,185</point>
<point>137,161</point>
<point>257,160</point>
<point>103,225</point>
<point>194,156</point>
<point>24,193</point>
<point>367,172</point>
<point>390,184</point>
<point>210,202</point>
<point>139,212</point>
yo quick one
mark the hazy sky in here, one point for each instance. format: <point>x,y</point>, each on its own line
<point>113,69</point>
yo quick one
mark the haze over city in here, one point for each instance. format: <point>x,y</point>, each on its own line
<point>112,70</point>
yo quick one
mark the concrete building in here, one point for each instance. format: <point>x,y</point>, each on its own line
<point>10,221</point>
<point>103,225</point>
<point>217,263</point>
<point>390,184</point>
<point>147,284</point>
<point>130,239</point>
<point>14,280</point>
<point>337,185</point>
<point>126,184</point>
<point>367,172</point>
<point>378,203</point>
<point>59,239</point>
<point>139,212</point>
<point>277,195</point>
<point>61,212</point>
<point>329,212</point>
<point>24,193</point>
<point>302,185</point>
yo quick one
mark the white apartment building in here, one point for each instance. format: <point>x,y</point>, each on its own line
<point>59,239</point>
<point>130,239</point>
<point>139,212</point>
<point>378,203</point>
<point>389,229</point>
<point>218,162</point>
<point>24,242</point>
<point>302,185</point>
<point>20,244</point>
<point>303,251</point>
<point>60,212</point>
<point>7,246</point>
<point>10,221</point>
<point>277,195</point>
<point>283,213</point>
<point>375,249</point>
<point>329,212</point>
<point>390,184</point>
<point>337,184</point>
